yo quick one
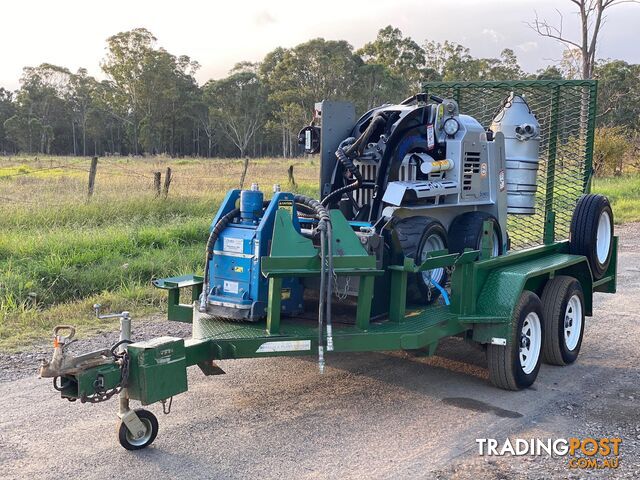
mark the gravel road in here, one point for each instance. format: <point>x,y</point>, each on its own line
<point>372,415</point>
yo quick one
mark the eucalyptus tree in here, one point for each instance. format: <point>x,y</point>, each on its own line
<point>238,105</point>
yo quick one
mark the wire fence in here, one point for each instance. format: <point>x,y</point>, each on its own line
<point>566,113</point>
<point>65,183</point>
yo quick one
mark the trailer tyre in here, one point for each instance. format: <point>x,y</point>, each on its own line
<point>150,422</point>
<point>466,232</point>
<point>592,232</point>
<point>563,313</point>
<point>418,236</point>
<point>515,366</point>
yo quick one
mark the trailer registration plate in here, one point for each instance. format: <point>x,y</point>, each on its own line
<point>286,346</point>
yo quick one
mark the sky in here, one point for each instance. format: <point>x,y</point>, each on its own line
<point>218,34</point>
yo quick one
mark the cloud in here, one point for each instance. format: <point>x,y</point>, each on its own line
<point>527,46</point>
<point>494,35</point>
<point>263,18</point>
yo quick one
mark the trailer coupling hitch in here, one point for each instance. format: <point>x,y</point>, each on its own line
<point>64,363</point>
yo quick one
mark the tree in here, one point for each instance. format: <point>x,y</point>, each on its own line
<point>308,73</point>
<point>401,55</point>
<point>127,56</point>
<point>450,61</point>
<point>618,94</point>
<point>238,103</point>
<point>7,110</point>
<point>610,148</point>
<point>42,110</point>
<point>377,85</point>
<point>504,68</point>
<point>551,72</point>
<point>83,90</point>
<point>155,92</point>
<point>591,14</point>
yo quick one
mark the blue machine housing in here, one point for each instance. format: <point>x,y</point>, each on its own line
<point>237,287</point>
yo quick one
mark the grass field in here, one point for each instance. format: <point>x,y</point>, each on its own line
<point>60,254</point>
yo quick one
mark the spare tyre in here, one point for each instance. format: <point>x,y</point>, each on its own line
<point>591,232</point>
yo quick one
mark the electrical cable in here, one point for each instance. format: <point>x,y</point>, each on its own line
<point>213,236</point>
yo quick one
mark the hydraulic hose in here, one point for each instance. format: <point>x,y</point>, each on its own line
<point>326,269</point>
<point>330,287</point>
<point>213,236</point>
<point>348,165</point>
<point>345,150</point>
<point>321,302</point>
<point>357,146</point>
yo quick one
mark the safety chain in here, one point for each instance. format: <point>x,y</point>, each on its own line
<point>336,288</point>
<point>166,409</point>
<point>103,395</point>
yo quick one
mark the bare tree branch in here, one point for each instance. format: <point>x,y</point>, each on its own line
<point>592,19</point>
<point>545,29</point>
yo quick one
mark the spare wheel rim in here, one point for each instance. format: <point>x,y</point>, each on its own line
<point>603,237</point>
<point>530,342</point>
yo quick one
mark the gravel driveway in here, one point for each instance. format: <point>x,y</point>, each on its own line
<point>372,415</point>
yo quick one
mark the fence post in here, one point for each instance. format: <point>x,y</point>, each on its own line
<point>167,182</point>
<point>244,171</point>
<point>92,177</point>
<point>157,179</point>
<point>292,180</point>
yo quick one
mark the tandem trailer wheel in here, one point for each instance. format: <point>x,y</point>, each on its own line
<point>515,366</point>
<point>563,312</point>
<point>150,422</point>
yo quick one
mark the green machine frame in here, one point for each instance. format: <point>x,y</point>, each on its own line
<point>484,290</point>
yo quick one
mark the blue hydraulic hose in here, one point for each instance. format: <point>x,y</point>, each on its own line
<point>442,290</point>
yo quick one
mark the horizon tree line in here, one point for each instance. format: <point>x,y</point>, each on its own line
<point>150,102</point>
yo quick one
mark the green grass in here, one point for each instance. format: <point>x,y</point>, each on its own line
<point>82,252</point>
<point>60,254</point>
<point>624,195</point>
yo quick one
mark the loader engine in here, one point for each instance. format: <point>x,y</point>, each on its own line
<point>418,155</point>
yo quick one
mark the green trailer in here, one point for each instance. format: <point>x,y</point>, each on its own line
<point>518,284</point>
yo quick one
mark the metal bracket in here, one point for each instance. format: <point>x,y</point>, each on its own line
<point>133,423</point>
<point>210,368</point>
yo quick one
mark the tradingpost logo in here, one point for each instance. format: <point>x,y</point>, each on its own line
<point>581,453</point>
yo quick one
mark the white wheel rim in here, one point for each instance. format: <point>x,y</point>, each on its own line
<point>433,243</point>
<point>136,442</point>
<point>572,322</point>
<point>530,342</point>
<point>496,245</point>
<point>603,237</point>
